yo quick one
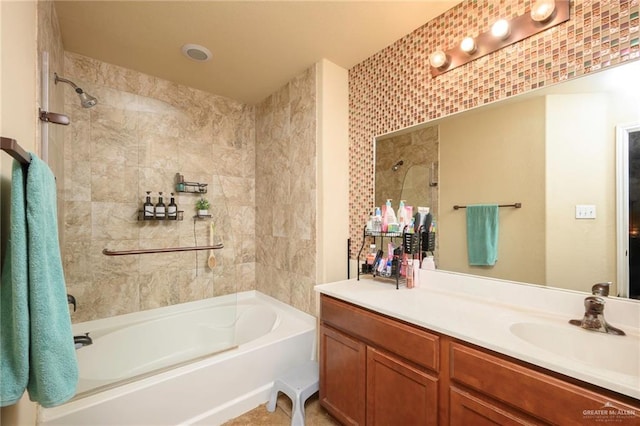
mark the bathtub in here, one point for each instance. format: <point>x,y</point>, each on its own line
<point>202,362</point>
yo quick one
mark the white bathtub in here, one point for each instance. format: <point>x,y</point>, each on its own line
<point>254,339</point>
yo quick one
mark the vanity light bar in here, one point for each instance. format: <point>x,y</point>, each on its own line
<point>518,29</point>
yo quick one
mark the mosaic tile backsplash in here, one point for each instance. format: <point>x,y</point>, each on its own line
<point>393,89</point>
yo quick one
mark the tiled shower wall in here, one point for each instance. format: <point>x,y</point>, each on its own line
<point>143,131</point>
<point>285,193</point>
<point>393,89</point>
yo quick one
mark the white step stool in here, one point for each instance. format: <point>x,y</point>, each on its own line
<point>299,383</point>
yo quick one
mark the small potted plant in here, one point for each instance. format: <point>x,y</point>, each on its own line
<point>203,207</point>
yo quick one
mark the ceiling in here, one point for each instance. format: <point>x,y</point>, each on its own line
<point>257,46</point>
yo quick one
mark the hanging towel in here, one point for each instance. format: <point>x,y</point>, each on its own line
<point>53,366</point>
<point>482,234</point>
<point>14,309</point>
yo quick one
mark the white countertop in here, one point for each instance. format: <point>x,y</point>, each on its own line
<point>481,311</point>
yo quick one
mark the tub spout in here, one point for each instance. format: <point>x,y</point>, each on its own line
<point>81,341</point>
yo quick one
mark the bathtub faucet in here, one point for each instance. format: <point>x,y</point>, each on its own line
<point>81,341</point>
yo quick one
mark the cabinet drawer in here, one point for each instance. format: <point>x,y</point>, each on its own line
<point>409,342</point>
<point>535,393</point>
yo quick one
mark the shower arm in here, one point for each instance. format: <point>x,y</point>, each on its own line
<point>69,82</point>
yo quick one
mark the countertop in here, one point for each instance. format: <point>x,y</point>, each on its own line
<point>479,317</point>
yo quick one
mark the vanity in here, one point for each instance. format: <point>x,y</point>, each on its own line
<point>466,350</point>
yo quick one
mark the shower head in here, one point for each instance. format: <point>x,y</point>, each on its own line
<point>86,100</point>
<point>397,165</point>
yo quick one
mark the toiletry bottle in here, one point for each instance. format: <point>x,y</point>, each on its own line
<point>416,273</point>
<point>148,207</point>
<point>377,220</point>
<point>180,183</point>
<point>372,254</point>
<point>160,208</point>
<point>389,218</point>
<point>410,283</point>
<point>402,219</point>
<point>172,209</point>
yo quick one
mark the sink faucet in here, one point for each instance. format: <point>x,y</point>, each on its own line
<point>594,312</point>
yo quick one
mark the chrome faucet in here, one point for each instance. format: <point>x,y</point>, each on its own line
<point>594,312</point>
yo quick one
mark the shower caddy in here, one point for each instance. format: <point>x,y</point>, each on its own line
<point>412,243</point>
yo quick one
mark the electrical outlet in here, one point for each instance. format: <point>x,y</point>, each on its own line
<point>585,211</point>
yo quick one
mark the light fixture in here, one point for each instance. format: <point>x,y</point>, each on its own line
<point>439,59</point>
<point>501,29</point>
<point>196,52</point>
<point>542,10</point>
<point>544,14</point>
<point>468,45</point>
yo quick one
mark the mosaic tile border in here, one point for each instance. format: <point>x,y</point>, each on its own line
<point>393,89</point>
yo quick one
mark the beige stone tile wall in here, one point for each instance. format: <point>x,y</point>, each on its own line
<point>393,89</point>
<point>143,131</point>
<point>285,193</point>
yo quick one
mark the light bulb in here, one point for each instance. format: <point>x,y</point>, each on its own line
<point>542,10</point>
<point>501,29</point>
<point>438,59</point>
<point>468,45</point>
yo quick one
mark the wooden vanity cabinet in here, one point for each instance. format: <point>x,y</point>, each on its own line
<point>376,370</point>
<point>488,388</point>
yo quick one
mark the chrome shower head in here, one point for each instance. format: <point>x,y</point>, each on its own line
<point>86,100</point>
<point>397,165</point>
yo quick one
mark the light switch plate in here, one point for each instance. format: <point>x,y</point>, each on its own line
<point>585,211</point>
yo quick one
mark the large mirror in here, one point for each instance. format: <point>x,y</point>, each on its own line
<point>553,149</point>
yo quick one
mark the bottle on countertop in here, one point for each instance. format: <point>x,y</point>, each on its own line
<point>148,207</point>
<point>160,210</point>
<point>172,209</point>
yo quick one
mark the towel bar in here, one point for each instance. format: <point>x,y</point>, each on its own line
<point>161,250</point>
<point>516,205</point>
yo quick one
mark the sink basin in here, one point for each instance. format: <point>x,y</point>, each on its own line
<point>614,353</point>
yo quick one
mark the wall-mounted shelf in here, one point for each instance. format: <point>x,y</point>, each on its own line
<point>179,216</point>
<point>183,186</point>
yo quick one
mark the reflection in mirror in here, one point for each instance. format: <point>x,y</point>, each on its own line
<point>551,149</point>
<point>405,168</point>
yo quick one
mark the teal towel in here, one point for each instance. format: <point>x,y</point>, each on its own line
<point>53,366</point>
<point>482,234</point>
<point>14,308</point>
<point>36,341</point>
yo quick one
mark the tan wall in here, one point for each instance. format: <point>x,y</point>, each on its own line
<point>332,175</point>
<point>473,171</point>
<point>577,134</point>
<point>143,131</point>
<point>286,193</point>
<point>18,70</point>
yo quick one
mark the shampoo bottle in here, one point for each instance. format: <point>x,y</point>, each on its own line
<point>402,216</point>
<point>389,218</point>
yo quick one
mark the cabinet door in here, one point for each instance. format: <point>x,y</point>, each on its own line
<point>399,394</point>
<point>342,376</point>
<point>465,409</point>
